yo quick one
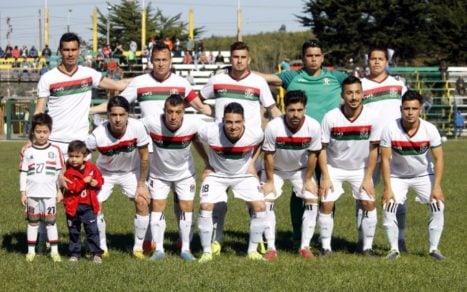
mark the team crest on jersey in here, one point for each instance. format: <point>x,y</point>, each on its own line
<point>51,155</point>
<point>249,92</point>
<point>393,92</point>
<point>174,91</point>
<point>326,81</point>
<point>84,85</point>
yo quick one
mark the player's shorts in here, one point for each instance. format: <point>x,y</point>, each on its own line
<point>184,188</point>
<point>422,185</point>
<point>128,181</point>
<point>41,209</point>
<point>214,189</point>
<point>296,178</point>
<point>353,177</point>
<point>63,146</point>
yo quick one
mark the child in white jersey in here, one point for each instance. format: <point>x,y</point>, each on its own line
<point>40,167</point>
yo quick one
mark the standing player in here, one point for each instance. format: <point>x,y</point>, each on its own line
<point>249,90</point>
<point>152,89</point>
<point>350,137</point>
<point>409,146</point>
<point>41,164</point>
<point>172,168</point>
<point>123,159</point>
<point>382,94</point>
<point>291,146</point>
<point>233,149</point>
<point>323,90</point>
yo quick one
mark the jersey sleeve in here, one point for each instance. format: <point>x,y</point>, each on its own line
<point>142,135</point>
<point>269,143</point>
<point>43,89</point>
<point>190,93</point>
<point>376,129</point>
<point>287,77</point>
<point>207,92</point>
<point>435,137</point>
<point>385,140</point>
<point>325,129</point>
<point>96,77</point>
<point>265,96</point>
<point>203,133</point>
<point>315,137</point>
<point>91,141</point>
<point>340,76</point>
<point>130,93</point>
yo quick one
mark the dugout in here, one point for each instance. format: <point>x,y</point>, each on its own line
<point>18,113</point>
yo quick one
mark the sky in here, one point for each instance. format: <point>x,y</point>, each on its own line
<point>217,16</point>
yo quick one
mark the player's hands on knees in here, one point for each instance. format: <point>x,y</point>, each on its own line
<point>437,194</point>
<point>24,199</point>
<point>368,187</point>
<point>388,196</point>
<point>310,186</point>
<point>143,192</point>
<point>267,188</point>
<point>324,188</point>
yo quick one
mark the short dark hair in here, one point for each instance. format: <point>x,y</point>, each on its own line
<point>313,43</point>
<point>78,146</point>
<point>239,46</point>
<point>69,37</point>
<point>39,120</point>
<point>119,101</point>
<point>350,80</point>
<point>412,95</point>
<point>378,49</point>
<point>234,108</point>
<point>174,100</point>
<point>295,96</point>
<point>159,46</point>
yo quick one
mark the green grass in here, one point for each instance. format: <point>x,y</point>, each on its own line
<point>343,270</point>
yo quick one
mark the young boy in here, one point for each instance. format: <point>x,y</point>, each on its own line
<point>40,166</point>
<point>82,181</point>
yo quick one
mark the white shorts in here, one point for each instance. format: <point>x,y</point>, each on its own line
<point>296,178</point>
<point>353,177</point>
<point>128,182</point>
<point>184,188</point>
<point>41,209</point>
<point>422,185</point>
<point>214,189</point>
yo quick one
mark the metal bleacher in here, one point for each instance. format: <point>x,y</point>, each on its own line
<point>440,86</point>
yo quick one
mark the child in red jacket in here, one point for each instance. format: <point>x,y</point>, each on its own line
<point>82,181</point>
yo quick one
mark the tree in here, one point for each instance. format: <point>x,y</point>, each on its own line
<point>413,28</point>
<point>125,24</point>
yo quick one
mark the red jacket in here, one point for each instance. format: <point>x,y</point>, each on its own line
<point>77,186</point>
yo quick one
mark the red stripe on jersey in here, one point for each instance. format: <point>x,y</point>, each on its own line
<point>382,89</point>
<point>293,139</point>
<point>232,149</point>
<point>236,88</point>
<point>410,143</point>
<point>351,129</point>
<point>88,80</point>
<point>118,145</point>
<point>172,138</point>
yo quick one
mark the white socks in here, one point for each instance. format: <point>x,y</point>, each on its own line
<point>257,227</point>
<point>185,222</point>
<point>435,227</point>
<point>270,230</point>
<point>141,223</point>
<point>102,227</point>
<point>308,224</point>
<point>390,224</point>
<point>205,227</point>
<point>326,225</point>
<point>158,226</point>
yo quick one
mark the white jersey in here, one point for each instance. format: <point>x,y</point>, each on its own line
<point>348,143</point>
<point>291,149</point>
<point>69,101</point>
<point>118,154</point>
<point>226,158</point>
<point>152,93</point>
<point>39,169</point>
<point>384,98</point>
<point>411,155</point>
<point>172,159</point>
<point>250,92</point>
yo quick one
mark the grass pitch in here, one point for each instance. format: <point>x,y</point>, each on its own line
<point>414,271</point>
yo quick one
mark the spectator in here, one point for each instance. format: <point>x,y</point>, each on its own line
<point>8,50</point>
<point>219,58</point>
<point>177,51</point>
<point>285,65</point>
<point>15,53</point>
<point>46,52</point>
<point>190,45</point>
<point>24,51</point>
<point>33,53</point>
<point>107,51</point>
<point>169,43</point>
<point>187,58</point>
<point>427,102</point>
<point>2,53</point>
<point>458,124</point>
<point>44,69</point>
<point>118,53</point>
